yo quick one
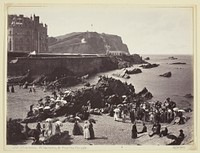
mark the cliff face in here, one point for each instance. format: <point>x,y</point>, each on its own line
<point>86,43</point>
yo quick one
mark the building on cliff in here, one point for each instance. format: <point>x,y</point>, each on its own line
<point>117,53</point>
<point>26,34</point>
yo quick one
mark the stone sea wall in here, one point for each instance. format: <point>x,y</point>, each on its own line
<point>47,65</point>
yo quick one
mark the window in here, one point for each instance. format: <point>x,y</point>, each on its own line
<point>21,48</point>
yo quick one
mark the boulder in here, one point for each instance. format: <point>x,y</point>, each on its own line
<point>133,71</point>
<point>177,63</point>
<point>167,74</point>
<point>147,58</point>
<point>148,66</point>
<point>172,58</point>
<point>188,96</point>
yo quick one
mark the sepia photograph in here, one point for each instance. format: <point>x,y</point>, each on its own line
<point>104,74</point>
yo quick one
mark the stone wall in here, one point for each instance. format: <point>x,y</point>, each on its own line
<point>47,65</point>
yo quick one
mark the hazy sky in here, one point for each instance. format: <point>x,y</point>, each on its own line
<point>145,30</point>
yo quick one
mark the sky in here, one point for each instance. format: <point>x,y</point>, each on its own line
<point>145,30</point>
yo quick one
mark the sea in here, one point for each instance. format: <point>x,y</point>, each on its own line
<point>176,87</point>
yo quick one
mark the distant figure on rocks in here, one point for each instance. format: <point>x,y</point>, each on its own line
<point>12,89</point>
<point>33,88</point>
<point>132,115</point>
<point>134,131</point>
<point>144,129</point>
<point>25,86</point>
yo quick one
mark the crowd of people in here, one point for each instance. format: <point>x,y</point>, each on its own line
<point>65,103</point>
<point>49,128</point>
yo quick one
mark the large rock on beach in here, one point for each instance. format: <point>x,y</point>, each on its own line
<point>133,71</point>
<point>147,58</point>
<point>148,66</point>
<point>178,63</point>
<point>167,74</point>
<point>188,96</point>
<point>172,58</point>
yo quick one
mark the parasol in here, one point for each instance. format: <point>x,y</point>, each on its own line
<point>181,110</point>
<point>47,107</point>
<point>92,120</point>
<point>175,109</point>
<point>116,110</point>
<point>59,123</point>
<point>78,118</point>
<point>124,96</point>
<point>49,120</point>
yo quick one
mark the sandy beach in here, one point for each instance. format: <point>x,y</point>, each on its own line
<point>108,131</point>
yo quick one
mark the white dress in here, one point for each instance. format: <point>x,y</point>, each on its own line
<point>86,131</point>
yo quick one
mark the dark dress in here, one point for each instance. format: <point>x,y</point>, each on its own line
<point>132,116</point>
<point>91,130</point>
<point>77,130</point>
<point>144,129</point>
<point>134,131</point>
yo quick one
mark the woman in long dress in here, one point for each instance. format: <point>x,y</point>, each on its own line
<point>57,129</point>
<point>77,130</point>
<point>86,130</point>
<point>134,131</point>
<point>91,130</point>
<point>49,129</point>
<point>116,115</point>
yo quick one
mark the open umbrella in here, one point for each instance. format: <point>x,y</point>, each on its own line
<point>181,110</point>
<point>59,123</point>
<point>116,110</point>
<point>78,118</point>
<point>92,120</point>
<point>49,120</point>
<point>47,107</point>
<point>64,101</point>
<point>175,109</point>
<point>124,96</point>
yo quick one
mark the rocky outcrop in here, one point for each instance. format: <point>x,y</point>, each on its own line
<point>86,43</point>
<point>148,66</point>
<point>167,74</point>
<point>177,63</point>
<point>133,71</point>
<point>188,96</point>
<point>147,58</point>
<point>172,58</point>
